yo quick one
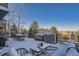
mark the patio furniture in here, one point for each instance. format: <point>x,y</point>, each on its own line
<point>19,37</point>
<point>8,51</point>
<point>34,52</point>
<point>22,51</point>
<point>37,53</point>
<point>5,54</point>
<point>44,51</point>
<point>4,51</point>
<point>52,48</point>
<point>77,47</point>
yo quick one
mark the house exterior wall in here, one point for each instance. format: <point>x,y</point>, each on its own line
<point>4,5</point>
<point>3,10</point>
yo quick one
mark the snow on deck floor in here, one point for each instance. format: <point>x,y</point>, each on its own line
<point>27,43</point>
<point>31,43</point>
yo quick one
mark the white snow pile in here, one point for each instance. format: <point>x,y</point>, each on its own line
<point>12,52</point>
<point>9,51</point>
<point>61,50</point>
<point>72,51</point>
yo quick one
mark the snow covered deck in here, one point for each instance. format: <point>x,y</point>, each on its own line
<point>30,43</point>
<point>27,43</point>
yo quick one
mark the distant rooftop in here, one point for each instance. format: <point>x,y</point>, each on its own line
<point>44,33</point>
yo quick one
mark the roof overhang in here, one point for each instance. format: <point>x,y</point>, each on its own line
<point>3,11</point>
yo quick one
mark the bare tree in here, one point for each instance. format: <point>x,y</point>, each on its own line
<point>16,16</point>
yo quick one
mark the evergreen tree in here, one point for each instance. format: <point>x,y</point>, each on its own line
<point>33,29</point>
<point>54,29</point>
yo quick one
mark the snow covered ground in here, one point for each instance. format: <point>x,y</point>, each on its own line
<point>31,43</point>
<point>27,43</point>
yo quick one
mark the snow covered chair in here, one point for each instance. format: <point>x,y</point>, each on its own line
<point>22,51</point>
<point>8,51</point>
<point>77,47</point>
<point>5,54</point>
<point>34,53</point>
<point>71,51</point>
<point>50,50</point>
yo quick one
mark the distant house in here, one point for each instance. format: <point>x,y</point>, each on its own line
<point>48,37</point>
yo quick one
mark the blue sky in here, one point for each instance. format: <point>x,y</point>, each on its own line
<point>63,16</point>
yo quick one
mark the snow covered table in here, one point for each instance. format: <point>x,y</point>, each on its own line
<point>39,48</point>
<point>19,37</point>
<point>46,50</point>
